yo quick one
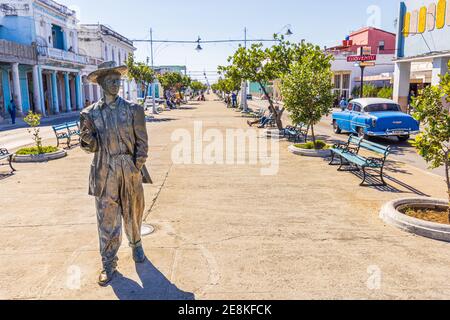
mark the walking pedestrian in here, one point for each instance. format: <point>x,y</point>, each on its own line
<point>12,111</point>
<point>343,104</point>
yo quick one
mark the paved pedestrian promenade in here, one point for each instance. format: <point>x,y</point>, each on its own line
<point>222,231</point>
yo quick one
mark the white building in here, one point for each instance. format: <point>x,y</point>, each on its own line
<point>423,46</point>
<point>102,44</point>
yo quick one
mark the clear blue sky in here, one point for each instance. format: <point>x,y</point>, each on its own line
<point>322,22</point>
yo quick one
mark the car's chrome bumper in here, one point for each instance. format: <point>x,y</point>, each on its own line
<point>392,133</point>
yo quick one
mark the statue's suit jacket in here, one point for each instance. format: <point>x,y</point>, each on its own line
<point>132,131</point>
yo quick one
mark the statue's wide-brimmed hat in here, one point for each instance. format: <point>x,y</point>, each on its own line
<point>106,68</point>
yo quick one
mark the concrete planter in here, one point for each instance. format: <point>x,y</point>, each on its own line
<point>40,158</point>
<point>390,213</point>
<point>310,152</point>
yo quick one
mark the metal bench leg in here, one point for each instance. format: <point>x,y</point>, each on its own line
<point>342,164</point>
<point>332,159</point>
<point>381,177</point>
<point>365,176</point>
<point>10,164</point>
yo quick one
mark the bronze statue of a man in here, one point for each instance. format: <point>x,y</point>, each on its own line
<point>115,130</point>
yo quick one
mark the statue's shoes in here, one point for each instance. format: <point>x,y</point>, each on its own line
<point>138,254</point>
<point>106,277</point>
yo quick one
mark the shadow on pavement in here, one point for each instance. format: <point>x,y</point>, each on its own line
<point>150,120</point>
<point>155,286</point>
<point>4,176</point>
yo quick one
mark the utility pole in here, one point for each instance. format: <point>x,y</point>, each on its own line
<point>153,67</point>
<point>244,104</point>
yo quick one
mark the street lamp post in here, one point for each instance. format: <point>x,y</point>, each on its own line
<point>244,103</point>
<point>362,80</point>
<point>154,80</point>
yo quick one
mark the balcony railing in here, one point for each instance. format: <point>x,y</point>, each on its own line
<point>61,55</point>
<point>17,52</point>
<point>58,7</point>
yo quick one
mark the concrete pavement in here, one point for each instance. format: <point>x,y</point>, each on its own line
<point>222,232</point>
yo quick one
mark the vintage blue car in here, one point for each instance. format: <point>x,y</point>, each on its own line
<point>373,117</point>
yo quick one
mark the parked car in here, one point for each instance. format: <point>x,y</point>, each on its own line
<point>374,117</point>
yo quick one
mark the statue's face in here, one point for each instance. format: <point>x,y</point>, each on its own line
<point>111,84</point>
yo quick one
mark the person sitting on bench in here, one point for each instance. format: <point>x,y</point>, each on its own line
<point>263,121</point>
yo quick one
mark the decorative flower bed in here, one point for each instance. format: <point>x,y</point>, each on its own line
<point>321,149</point>
<point>33,154</point>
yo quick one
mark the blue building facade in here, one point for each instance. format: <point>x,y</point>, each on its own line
<point>46,80</point>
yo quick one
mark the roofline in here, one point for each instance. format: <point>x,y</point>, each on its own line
<point>371,28</point>
<point>114,34</point>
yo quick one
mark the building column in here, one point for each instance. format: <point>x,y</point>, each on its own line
<point>91,92</point>
<point>17,94</point>
<point>67,90</point>
<point>78,92</point>
<point>402,78</point>
<point>37,89</point>
<point>440,67</point>
<point>55,101</point>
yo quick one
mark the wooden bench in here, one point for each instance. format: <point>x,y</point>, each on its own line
<point>4,154</point>
<point>296,133</point>
<point>66,132</point>
<point>349,155</point>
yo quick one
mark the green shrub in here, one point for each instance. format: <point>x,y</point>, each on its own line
<point>386,93</point>
<point>35,151</point>
<point>320,145</point>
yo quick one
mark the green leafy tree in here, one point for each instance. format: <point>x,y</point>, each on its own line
<point>34,121</point>
<point>307,88</point>
<point>141,73</point>
<point>262,66</point>
<point>197,86</point>
<point>433,143</point>
<point>171,80</point>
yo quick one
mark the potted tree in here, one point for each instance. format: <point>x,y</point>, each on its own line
<point>307,92</point>
<point>37,153</point>
<point>426,216</point>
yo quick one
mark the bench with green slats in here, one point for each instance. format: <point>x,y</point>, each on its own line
<point>349,155</point>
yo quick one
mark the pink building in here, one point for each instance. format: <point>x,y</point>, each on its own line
<point>380,41</point>
<point>347,75</point>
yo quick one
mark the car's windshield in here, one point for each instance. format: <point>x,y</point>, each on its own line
<point>392,107</point>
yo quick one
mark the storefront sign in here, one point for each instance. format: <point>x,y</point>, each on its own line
<point>371,57</point>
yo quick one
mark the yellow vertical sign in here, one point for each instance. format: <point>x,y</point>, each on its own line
<point>406,24</point>
<point>440,14</point>
<point>422,20</point>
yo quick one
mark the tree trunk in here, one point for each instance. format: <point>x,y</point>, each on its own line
<point>313,135</point>
<point>272,109</point>
<point>447,175</point>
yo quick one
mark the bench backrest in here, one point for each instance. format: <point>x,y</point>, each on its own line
<point>60,127</point>
<point>72,124</point>
<point>354,140</point>
<point>374,147</point>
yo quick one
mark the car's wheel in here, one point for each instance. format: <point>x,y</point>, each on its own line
<point>404,138</point>
<point>336,128</point>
